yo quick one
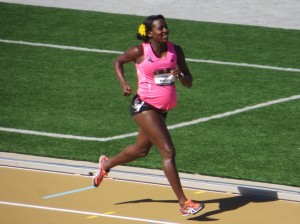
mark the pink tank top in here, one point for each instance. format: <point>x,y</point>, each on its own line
<point>155,82</point>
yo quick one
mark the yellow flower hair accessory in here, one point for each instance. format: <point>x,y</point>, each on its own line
<point>142,29</point>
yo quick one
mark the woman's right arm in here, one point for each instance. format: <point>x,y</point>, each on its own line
<point>133,54</point>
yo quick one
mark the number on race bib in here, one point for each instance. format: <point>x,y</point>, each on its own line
<point>164,77</point>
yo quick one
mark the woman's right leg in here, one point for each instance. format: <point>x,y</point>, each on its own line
<point>153,125</point>
<point>130,153</point>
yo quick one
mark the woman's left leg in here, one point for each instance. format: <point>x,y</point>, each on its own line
<point>153,125</point>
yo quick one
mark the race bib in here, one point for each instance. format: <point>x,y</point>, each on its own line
<point>164,77</point>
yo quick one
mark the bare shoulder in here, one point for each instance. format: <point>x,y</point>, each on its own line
<point>136,50</point>
<point>176,46</point>
<point>134,53</point>
<point>178,49</point>
<point>179,53</point>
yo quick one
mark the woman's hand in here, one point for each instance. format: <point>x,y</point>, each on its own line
<point>126,90</point>
<point>177,73</point>
<point>186,80</point>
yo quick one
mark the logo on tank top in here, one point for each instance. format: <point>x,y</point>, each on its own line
<point>149,58</point>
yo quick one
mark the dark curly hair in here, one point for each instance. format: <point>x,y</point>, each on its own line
<point>148,23</point>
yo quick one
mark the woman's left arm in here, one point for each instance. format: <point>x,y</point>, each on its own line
<point>182,73</point>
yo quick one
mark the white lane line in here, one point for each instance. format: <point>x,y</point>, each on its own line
<point>55,135</point>
<point>230,113</point>
<point>63,47</point>
<point>83,212</point>
<point>120,52</point>
<point>245,65</point>
<point>180,125</point>
<point>68,192</point>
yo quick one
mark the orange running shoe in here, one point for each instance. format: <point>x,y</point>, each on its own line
<point>101,173</point>
<point>191,208</point>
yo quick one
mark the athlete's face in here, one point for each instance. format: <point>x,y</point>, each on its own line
<point>159,32</point>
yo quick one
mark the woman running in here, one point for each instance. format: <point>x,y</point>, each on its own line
<point>159,64</point>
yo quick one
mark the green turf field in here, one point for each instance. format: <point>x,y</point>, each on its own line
<point>76,92</point>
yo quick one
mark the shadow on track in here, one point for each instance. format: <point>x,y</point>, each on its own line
<point>225,205</point>
<point>228,204</point>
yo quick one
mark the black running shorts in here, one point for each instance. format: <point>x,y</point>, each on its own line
<point>138,106</point>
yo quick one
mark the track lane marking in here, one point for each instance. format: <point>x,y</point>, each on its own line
<point>68,192</point>
<point>82,212</point>
<point>74,48</point>
<point>179,125</point>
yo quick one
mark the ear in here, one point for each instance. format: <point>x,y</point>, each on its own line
<point>149,34</point>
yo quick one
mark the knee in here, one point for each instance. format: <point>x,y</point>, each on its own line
<point>169,153</point>
<point>143,153</point>
<point>137,152</point>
